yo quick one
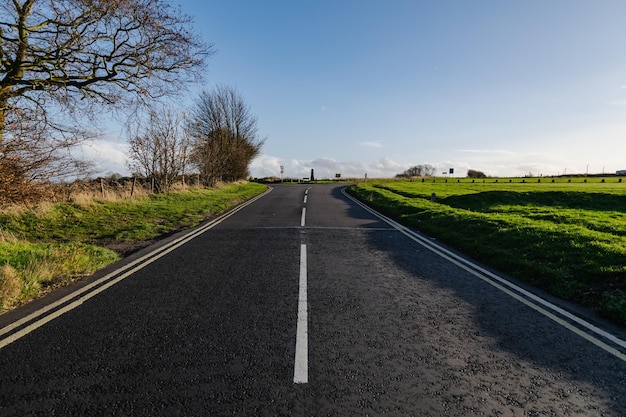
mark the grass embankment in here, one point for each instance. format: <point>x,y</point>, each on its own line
<point>568,238</point>
<point>53,244</point>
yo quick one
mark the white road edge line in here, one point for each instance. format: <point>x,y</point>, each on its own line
<point>108,281</point>
<point>513,290</point>
<point>301,363</point>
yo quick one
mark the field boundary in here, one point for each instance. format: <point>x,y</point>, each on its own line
<point>558,314</point>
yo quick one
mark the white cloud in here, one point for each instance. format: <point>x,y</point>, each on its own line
<point>265,166</point>
<point>107,155</point>
<point>491,162</point>
<point>324,168</point>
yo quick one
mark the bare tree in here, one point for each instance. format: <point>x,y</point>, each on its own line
<point>76,54</point>
<point>61,59</point>
<point>472,173</point>
<point>31,157</point>
<point>225,136</point>
<point>429,170</point>
<point>160,148</point>
<point>426,170</point>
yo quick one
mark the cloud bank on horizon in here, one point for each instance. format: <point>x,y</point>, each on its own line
<point>110,156</point>
<point>494,163</point>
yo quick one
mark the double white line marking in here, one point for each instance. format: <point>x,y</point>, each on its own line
<point>564,318</point>
<point>33,321</point>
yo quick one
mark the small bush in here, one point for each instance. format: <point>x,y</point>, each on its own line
<point>613,306</point>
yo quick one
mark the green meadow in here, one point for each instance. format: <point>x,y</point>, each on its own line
<point>564,235</point>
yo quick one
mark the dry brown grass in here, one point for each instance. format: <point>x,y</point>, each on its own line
<point>7,236</point>
<point>88,193</point>
<point>82,193</point>
<point>10,286</point>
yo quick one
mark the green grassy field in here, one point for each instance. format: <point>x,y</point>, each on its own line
<point>567,236</point>
<point>51,245</point>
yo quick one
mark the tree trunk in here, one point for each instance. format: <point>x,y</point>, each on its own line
<point>3,112</point>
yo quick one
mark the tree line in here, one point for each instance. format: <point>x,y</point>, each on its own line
<point>217,139</point>
<point>427,170</point>
<point>65,63</point>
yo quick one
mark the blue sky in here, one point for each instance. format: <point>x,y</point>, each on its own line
<point>376,86</point>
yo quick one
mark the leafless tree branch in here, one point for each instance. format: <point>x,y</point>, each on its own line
<point>225,135</point>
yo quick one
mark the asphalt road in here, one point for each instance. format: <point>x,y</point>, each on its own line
<point>303,303</point>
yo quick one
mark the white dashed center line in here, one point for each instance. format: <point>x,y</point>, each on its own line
<point>301,365</point>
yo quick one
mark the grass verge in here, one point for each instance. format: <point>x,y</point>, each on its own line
<point>53,244</point>
<point>568,239</point>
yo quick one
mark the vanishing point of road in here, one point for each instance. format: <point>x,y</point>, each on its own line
<point>305,303</point>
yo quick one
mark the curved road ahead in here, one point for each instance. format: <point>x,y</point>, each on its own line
<point>304,303</point>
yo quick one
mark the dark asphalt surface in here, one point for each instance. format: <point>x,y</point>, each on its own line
<point>210,328</point>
